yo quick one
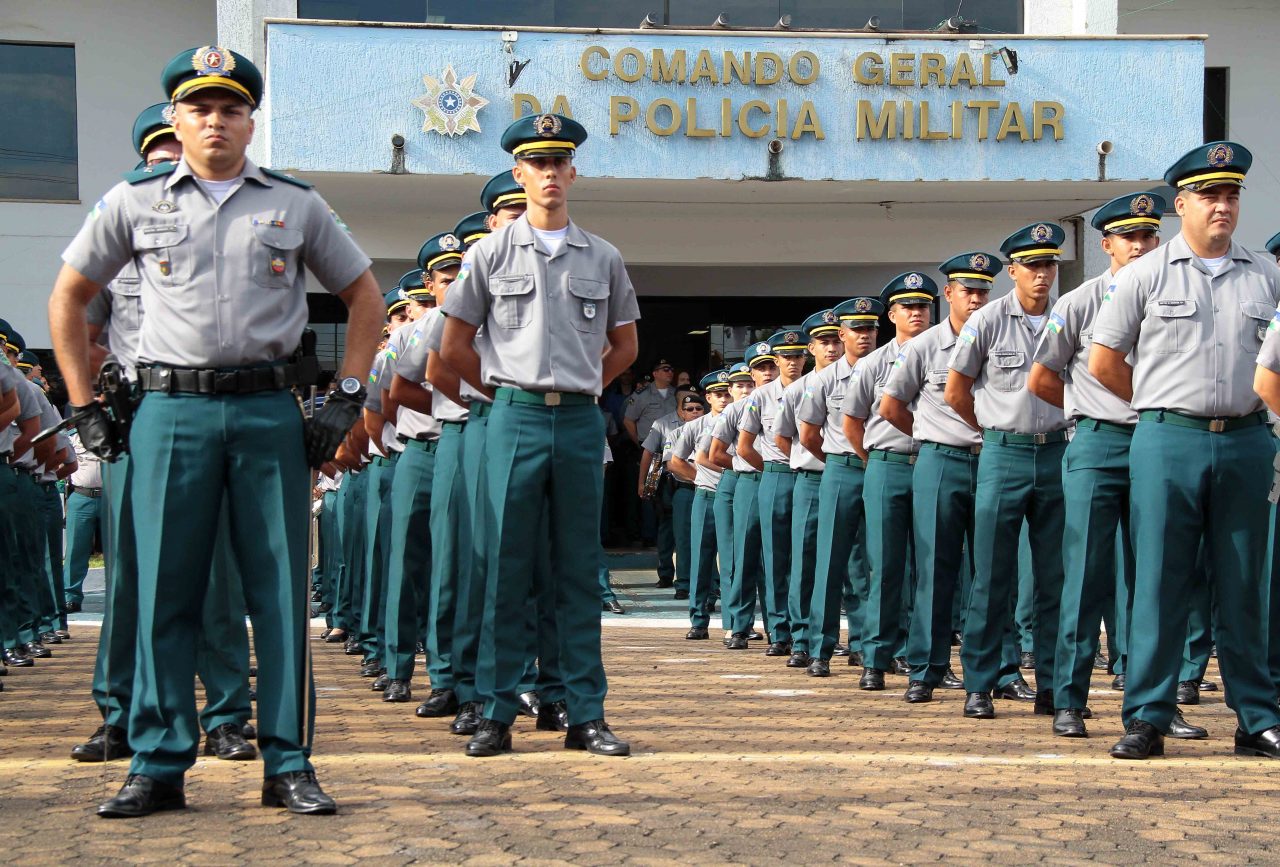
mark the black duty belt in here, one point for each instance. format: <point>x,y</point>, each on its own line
<point>963,451</point>
<point>1109,426</point>
<point>457,425</point>
<point>85,492</point>
<point>1019,439</point>
<point>1195,422</point>
<point>680,483</point>
<point>892,457</point>
<point>420,438</point>
<point>190,380</point>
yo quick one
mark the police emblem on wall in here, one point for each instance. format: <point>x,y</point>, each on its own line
<point>213,60</point>
<point>1220,155</point>
<point>979,261</point>
<point>547,125</point>
<point>450,106</point>
<point>1040,232</point>
<point>862,305</point>
<point>913,281</point>
<point>1141,206</point>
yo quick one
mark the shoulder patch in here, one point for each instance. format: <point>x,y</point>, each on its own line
<point>968,334</point>
<point>139,175</point>
<point>288,179</point>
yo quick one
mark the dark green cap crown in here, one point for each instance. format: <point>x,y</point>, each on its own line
<point>1035,243</point>
<point>543,135</point>
<point>1136,212</point>
<point>440,251</point>
<point>212,66</point>
<point>500,191</point>
<point>1218,162</point>
<point>155,121</point>
<point>974,269</point>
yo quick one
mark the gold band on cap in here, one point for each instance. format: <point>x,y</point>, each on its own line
<point>1229,177</point>
<point>823,329</point>
<point>1131,221</point>
<point>471,239</point>
<point>773,358</point>
<point>1037,251</point>
<point>400,302</point>
<point>509,199</point>
<point>439,258</point>
<point>791,347</point>
<point>970,275</point>
<point>867,317</point>
<point>717,386</point>
<point>923,296</point>
<point>543,146</point>
<point>419,290</point>
<point>203,81</point>
<point>164,130</point>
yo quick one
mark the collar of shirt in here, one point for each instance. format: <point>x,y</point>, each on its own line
<point>1180,251</point>
<point>250,172</point>
<point>522,234</point>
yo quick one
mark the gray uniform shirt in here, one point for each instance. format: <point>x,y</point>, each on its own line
<point>11,380</point>
<point>432,327</point>
<point>546,316</point>
<point>863,401</point>
<point>692,438</point>
<point>432,343</point>
<point>646,407</point>
<point>1194,337</point>
<point>996,348</point>
<point>726,430</point>
<point>759,418</point>
<point>222,284</point>
<point>118,310</point>
<point>408,422</point>
<point>661,436</point>
<point>380,381</point>
<point>1064,348</point>
<point>48,418</point>
<point>823,404</point>
<point>1269,355</point>
<point>785,425</point>
<point>919,379</point>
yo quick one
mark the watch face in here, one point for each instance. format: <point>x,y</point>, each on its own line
<point>350,385</point>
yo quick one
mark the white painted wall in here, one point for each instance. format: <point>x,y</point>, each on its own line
<point>121,48</point>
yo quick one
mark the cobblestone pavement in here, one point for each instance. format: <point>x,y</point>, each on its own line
<point>737,759</point>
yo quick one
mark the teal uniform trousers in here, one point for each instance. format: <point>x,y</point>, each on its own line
<point>190,453</point>
<point>1015,483</point>
<point>84,522</point>
<point>354,542</point>
<point>886,497</point>
<point>450,553</point>
<point>34,594</point>
<point>943,486</point>
<point>51,524</point>
<point>11,584</point>
<point>408,575</point>
<point>841,537</point>
<point>748,562</point>
<point>469,597</point>
<point>704,575</point>
<point>722,511</point>
<point>681,517</point>
<point>805,505</point>
<point>1095,490</point>
<point>774,498</point>
<point>377,556</point>
<point>330,550</point>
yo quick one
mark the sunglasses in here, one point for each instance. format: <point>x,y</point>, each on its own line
<point>666,367</point>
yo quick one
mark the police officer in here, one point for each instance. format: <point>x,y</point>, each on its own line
<point>886,492</point>
<point>216,399</point>
<point>945,476</point>
<point>1194,313</point>
<point>643,409</point>
<point>1265,384</point>
<point>84,521</point>
<point>1019,473</point>
<point>672,498</point>
<point>840,569</point>
<point>740,387</point>
<point>822,331</point>
<point>558,309</point>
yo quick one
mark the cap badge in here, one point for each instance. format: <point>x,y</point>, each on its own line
<point>168,113</point>
<point>1040,232</point>
<point>862,305</point>
<point>164,206</point>
<point>1220,155</point>
<point>791,337</point>
<point>1141,206</point>
<point>449,242</point>
<point>913,281</point>
<point>762,349</point>
<point>979,262</point>
<point>828,316</point>
<point>722,377</point>
<point>213,60</point>
<point>547,125</point>
<point>402,295</point>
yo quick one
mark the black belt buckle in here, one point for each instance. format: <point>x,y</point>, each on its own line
<point>161,379</point>
<point>225,382</point>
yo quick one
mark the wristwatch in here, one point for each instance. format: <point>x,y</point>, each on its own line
<point>350,388</point>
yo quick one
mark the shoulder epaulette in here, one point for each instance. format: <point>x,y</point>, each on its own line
<point>158,171</point>
<point>288,179</point>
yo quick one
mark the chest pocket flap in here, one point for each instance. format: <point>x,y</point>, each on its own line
<point>160,236</point>
<point>1008,360</point>
<point>1258,315</point>
<point>589,302</point>
<point>1183,308</point>
<point>278,238</point>
<point>939,377</point>
<point>1258,310</point>
<point>512,299</point>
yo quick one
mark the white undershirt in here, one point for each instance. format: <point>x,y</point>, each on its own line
<point>552,239</point>
<point>1215,266</point>
<point>664,391</point>
<point>1036,321</point>
<point>218,189</point>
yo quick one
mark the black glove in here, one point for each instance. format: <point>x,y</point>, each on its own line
<point>325,430</point>
<point>98,433</point>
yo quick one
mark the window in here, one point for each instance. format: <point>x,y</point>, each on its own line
<point>1215,103</point>
<point>38,155</point>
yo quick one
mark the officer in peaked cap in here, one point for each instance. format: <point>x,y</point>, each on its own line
<point>740,387</point>
<point>154,138</point>
<point>502,192</point>
<point>1273,245</point>
<point>1194,313</point>
<point>886,494</point>
<point>840,565</point>
<point>472,228</point>
<point>1019,474</point>
<point>185,436</point>
<point>416,290</point>
<point>558,311</point>
<point>1268,364</point>
<point>644,408</point>
<point>945,475</point>
<point>439,252</point>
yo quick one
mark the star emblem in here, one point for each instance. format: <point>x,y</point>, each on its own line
<point>450,106</point>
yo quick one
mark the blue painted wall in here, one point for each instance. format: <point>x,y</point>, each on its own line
<point>337,94</point>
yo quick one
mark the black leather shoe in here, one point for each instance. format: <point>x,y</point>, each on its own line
<point>755,635</point>
<point>398,691</point>
<point>1017,690</point>
<point>380,683</point>
<point>36,650</point>
<point>872,679</point>
<point>1208,686</point>
<point>441,702</point>
<point>680,594</point>
<point>1100,662</point>
<point>468,718</point>
<point>530,704</point>
<point>108,742</point>
<point>737,642</point>
<point>66,636</point>
<point>248,732</point>
<point>17,658</point>
<point>323,608</point>
<point>978,705</point>
<point>228,743</point>
<point>664,583</point>
<point>840,650</point>
<point>818,668</point>
<point>697,633</point>
<point>1182,730</point>
<point>420,649</point>
<point>337,635</point>
<point>1117,682</point>
<point>3,670</point>
<point>595,738</point>
<point>297,792</point>
<point>613,606</point>
<point>956,639</point>
<point>1140,740</point>
<point>50,638</point>
<point>798,659</point>
<point>324,635</point>
<point>142,796</point>
<point>1027,661</point>
<point>855,658</point>
<point>778,648</point>
<point>73,608</point>
<point>1044,703</point>
<point>372,668</point>
<point>900,667</point>
<point>1265,744</point>
<point>554,717</point>
<point>490,739</point>
<point>918,692</point>
<point>352,647</point>
<point>1188,692</point>
<point>1069,723</point>
<point>950,681</point>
